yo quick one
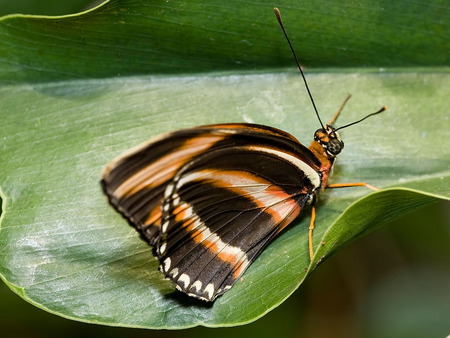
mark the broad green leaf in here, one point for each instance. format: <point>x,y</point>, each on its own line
<point>135,37</point>
<point>65,114</point>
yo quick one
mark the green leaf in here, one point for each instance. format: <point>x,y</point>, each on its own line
<point>65,114</point>
<point>135,37</point>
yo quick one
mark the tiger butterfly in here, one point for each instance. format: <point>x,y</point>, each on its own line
<point>211,198</point>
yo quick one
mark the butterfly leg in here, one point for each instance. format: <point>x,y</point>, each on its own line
<point>311,229</point>
<point>334,118</point>
<point>313,210</point>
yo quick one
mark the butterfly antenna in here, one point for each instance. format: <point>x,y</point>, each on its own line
<point>278,15</point>
<point>334,118</point>
<point>351,124</point>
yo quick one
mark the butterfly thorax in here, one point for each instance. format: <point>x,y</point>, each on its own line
<point>326,145</point>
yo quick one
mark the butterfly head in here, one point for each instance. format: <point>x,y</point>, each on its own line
<point>330,140</point>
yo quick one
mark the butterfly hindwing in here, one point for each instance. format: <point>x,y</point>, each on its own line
<point>222,209</point>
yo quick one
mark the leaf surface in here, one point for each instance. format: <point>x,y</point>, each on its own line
<point>79,90</point>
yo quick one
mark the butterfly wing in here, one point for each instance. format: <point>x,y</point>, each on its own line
<point>222,209</point>
<point>135,181</point>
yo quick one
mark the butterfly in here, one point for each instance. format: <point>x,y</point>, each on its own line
<point>209,199</point>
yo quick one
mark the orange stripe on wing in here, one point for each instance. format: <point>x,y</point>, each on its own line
<point>164,168</point>
<point>182,212</point>
<point>154,217</point>
<point>261,192</point>
<point>240,268</point>
<point>202,235</point>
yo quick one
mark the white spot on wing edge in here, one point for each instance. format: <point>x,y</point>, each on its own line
<point>185,279</point>
<point>162,248</point>
<point>174,272</point>
<point>227,287</point>
<point>209,290</point>
<point>166,264</point>
<point>197,285</point>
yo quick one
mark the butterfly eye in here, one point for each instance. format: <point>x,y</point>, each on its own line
<point>335,146</point>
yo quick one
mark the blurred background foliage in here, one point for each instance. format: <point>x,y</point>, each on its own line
<point>391,283</point>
